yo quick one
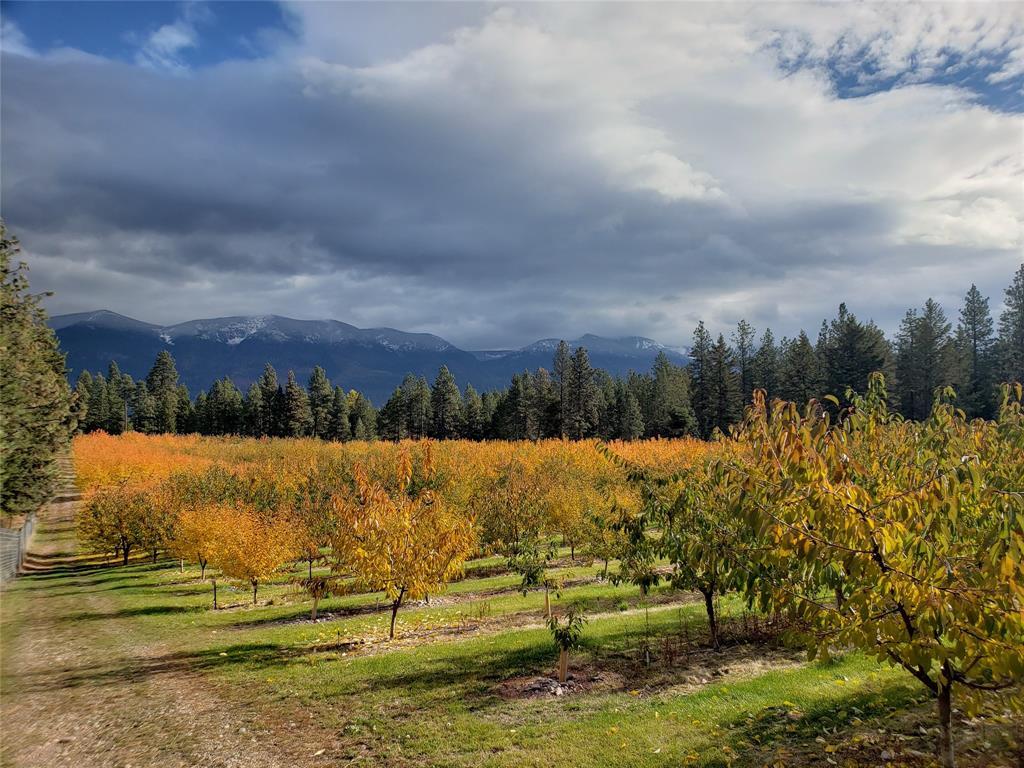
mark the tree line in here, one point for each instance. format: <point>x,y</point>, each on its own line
<point>574,400</point>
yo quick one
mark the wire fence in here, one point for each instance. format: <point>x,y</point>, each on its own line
<point>13,546</point>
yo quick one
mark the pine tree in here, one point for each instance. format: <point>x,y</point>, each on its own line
<point>83,389</point>
<point>144,416</point>
<point>702,377</point>
<point>849,352</point>
<point>339,428</point>
<point>204,419</point>
<point>321,396</point>
<point>974,344</point>
<point>727,402</point>
<point>669,411</point>
<point>562,372</point>
<point>362,416</point>
<point>297,417</point>
<point>544,402</point>
<point>270,401</point>
<point>925,359</point>
<point>445,406</point>
<point>1011,331</point>
<point>630,420</point>
<point>254,410</point>
<point>416,399</point>
<point>743,341</point>
<point>35,400</point>
<point>766,365</point>
<point>799,371</point>
<point>472,414</point>
<point>582,396</point>
<point>99,403</point>
<point>184,413</point>
<point>391,420</point>
<point>162,383</point>
<point>117,405</point>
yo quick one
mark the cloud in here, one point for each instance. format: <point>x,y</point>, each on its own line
<point>497,174</point>
<point>164,48</point>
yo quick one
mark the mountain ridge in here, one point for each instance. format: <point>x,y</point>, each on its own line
<point>372,360</point>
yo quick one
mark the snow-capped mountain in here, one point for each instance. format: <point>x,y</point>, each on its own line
<point>372,360</point>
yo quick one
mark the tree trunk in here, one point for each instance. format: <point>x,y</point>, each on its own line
<point>394,613</point>
<point>254,585</point>
<point>839,598</point>
<point>945,702</point>
<point>214,594</point>
<point>604,576</point>
<point>124,555</point>
<point>311,571</point>
<point>709,606</point>
<point>202,570</point>
<point>316,601</point>
<point>563,664</point>
<point>154,555</point>
<point>572,552</point>
<point>181,565</point>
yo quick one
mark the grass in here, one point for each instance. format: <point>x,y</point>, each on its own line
<point>444,693</point>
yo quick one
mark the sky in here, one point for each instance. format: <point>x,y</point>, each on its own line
<point>497,173</point>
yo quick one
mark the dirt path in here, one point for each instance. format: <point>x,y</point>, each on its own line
<point>85,694</point>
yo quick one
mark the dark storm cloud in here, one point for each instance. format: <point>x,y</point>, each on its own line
<point>460,194</point>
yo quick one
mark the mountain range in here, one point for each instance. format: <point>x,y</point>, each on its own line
<point>371,360</point>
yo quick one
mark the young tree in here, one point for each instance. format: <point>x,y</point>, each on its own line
<point>407,544</point>
<point>567,637</point>
<point>249,546</point>
<point>921,520</point>
<point>114,519</point>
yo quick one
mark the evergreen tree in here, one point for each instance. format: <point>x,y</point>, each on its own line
<point>630,420</point>
<point>925,359</point>
<point>669,412</point>
<point>472,414</point>
<point>117,404</point>
<point>35,400</point>
<point>743,340</point>
<point>582,397</point>
<point>562,373</point>
<point>297,417</point>
<point>184,413</point>
<point>974,345</point>
<point>799,371</point>
<point>253,411</point>
<point>850,351</point>
<point>226,410</point>
<point>99,404</point>
<point>270,400</point>
<point>162,383</point>
<point>363,417</point>
<point>1011,331</point>
<point>203,418</point>
<point>339,427</point>
<point>445,406</point>
<point>321,397</point>
<point>83,390</point>
<point>727,401</point>
<point>766,365</point>
<point>544,401</point>
<point>391,420</point>
<point>416,400</point>
<point>702,376</point>
<point>144,415</point>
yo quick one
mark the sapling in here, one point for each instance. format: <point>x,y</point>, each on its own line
<point>566,637</point>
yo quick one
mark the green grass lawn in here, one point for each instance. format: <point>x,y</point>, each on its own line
<point>453,689</point>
